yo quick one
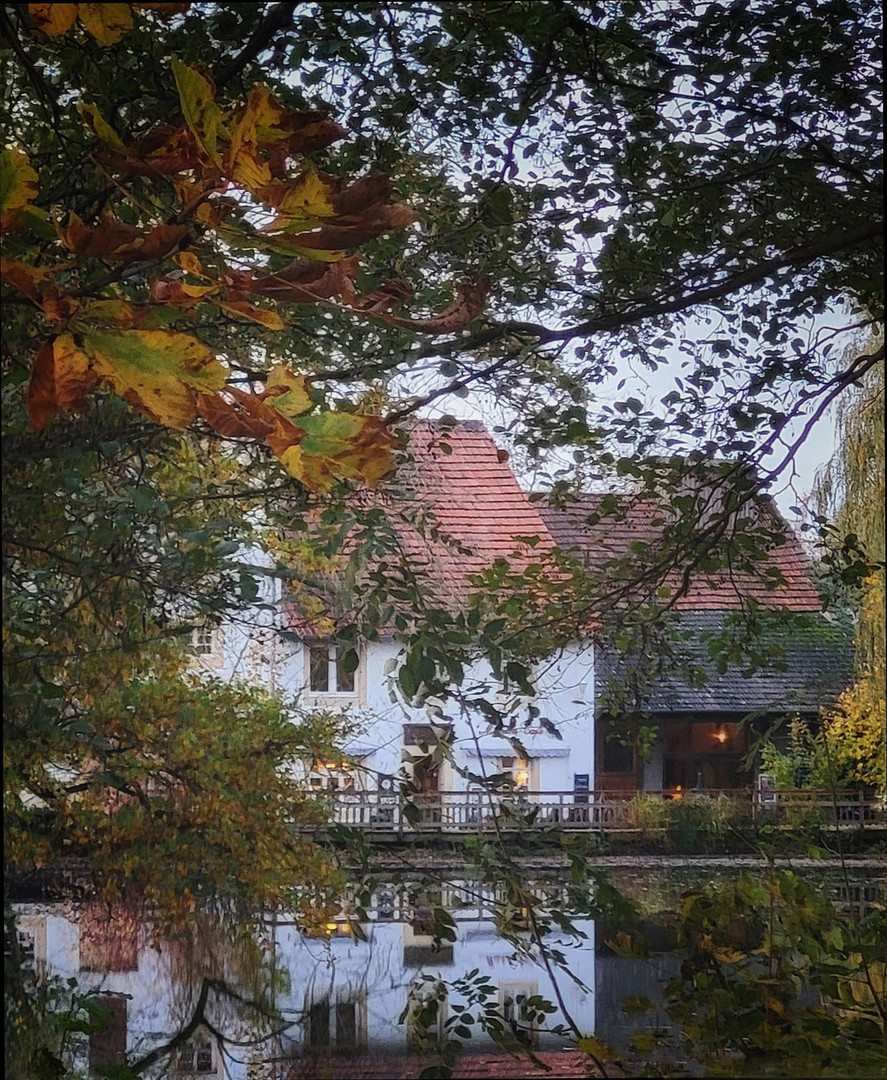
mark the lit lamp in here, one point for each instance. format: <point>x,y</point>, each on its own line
<point>721,736</point>
<point>522,777</point>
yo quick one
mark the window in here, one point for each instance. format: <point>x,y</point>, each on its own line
<point>203,640</point>
<point>336,1022</point>
<point>515,1007</point>
<point>329,671</point>
<point>196,1057</point>
<point>426,1014</point>
<point>618,758</point>
<point>518,769</point>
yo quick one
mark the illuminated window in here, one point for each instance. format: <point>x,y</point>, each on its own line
<point>329,669</point>
<point>518,769</point>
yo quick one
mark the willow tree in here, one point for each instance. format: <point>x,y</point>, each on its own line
<point>852,489</point>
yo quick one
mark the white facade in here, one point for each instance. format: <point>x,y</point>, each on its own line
<point>261,650</point>
<point>341,995</point>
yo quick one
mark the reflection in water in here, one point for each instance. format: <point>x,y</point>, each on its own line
<point>339,995</point>
<point>397,992</point>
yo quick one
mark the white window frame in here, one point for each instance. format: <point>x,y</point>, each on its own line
<point>515,990</point>
<point>206,645</point>
<point>334,1000</point>
<point>353,696</point>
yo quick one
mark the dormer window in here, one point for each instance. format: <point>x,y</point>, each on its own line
<point>329,672</point>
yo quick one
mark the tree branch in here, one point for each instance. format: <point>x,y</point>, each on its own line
<point>278,18</point>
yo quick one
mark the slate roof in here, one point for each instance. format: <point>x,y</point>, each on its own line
<point>816,667</point>
<point>635,520</point>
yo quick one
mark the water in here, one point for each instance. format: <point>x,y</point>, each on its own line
<point>390,994</point>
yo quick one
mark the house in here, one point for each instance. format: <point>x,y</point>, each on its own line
<point>554,741</point>
<point>696,700</point>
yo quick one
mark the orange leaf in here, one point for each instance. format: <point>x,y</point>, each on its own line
<point>60,378</point>
<point>173,291</point>
<point>53,19</point>
<point>245,419</point>
<point>189,262</point>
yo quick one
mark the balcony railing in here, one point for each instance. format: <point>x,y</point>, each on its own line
<point>471,812</point>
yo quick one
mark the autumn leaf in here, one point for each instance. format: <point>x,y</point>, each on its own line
<point>174,291</point>
<point>189,262</point>
<point>302,282</point>
<point>120,242</point>
<point>53,19</point>
<point>286,392</point>
<point>264,316</point>
<point>346,445</point>
<point>157,371</point>
<point>469,303</point>
<point>106,22</point>
<point>23,277</point>
<point>60,378</point>
<point>18,183</point>
<point>202,115</point>
<point>100,127</point>
<point>301,201</point>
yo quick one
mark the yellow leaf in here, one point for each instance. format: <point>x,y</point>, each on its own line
<point>18,181</point>
<point>342,445</point>
<point>106,22</point>
<point>189,262</point>
<point>269,319</point>
<point>286,392</point>
<point>299,201</point>
<point>118,314</point>
<point>157,371</point>
<point>53,19</point>
<point>100,127</point>
<point>202,115</point>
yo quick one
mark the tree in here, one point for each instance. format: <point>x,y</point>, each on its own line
<point>182,215</point>
<point>852,490</point>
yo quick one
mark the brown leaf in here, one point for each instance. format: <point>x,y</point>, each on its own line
<point>368,191</point>
<point>302,282</point>
<point>235,420</point>
<point>469,303</point>
<point>121,242</point>
<point>390,293</point>
<point>58,307</point>
<point>23,277</point>
<point>175,291</point>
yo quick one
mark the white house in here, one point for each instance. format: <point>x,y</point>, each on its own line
<point>460,479</point>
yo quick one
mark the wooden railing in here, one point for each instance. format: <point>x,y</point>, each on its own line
<point>469,811</point>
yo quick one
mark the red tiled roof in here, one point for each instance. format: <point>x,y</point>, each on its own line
<point>462,477</point>
<point>636,519</point>
<point>560,1065</point>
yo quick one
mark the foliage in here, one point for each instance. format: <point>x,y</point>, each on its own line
<point>753,948</point>
<point>851,489</point>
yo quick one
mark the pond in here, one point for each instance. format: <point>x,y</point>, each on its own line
<point>408,972</point>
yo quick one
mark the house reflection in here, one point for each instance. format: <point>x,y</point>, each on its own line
<point>340,995</point>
